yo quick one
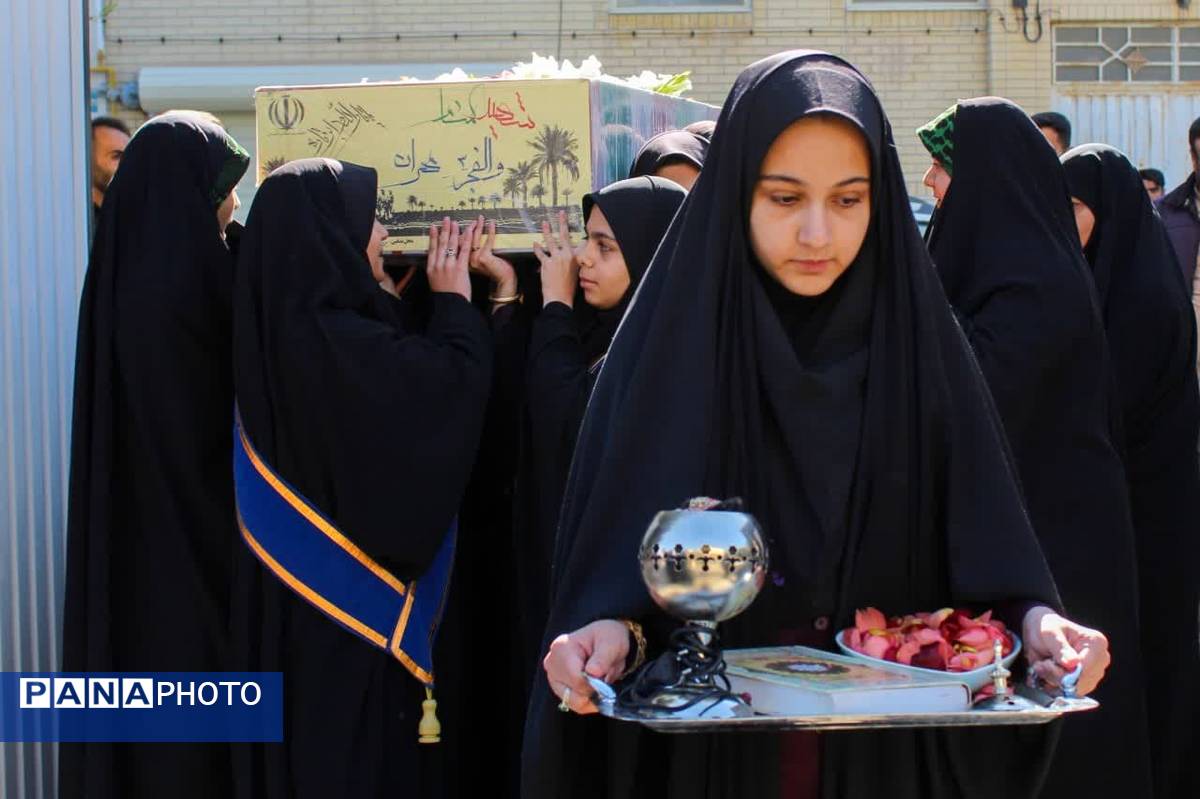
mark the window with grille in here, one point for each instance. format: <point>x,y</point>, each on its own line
<point>1126,54</point>
<point>676,6</point>
<point>915,5</point>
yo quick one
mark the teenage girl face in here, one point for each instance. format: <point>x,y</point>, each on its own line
<point>603,275</point>
<point>1085,220</point>
<point>375,252</point>
<point>812,204</point>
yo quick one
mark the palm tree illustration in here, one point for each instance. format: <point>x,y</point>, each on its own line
<point>566,196</point>
<point>555,148</point>
<point>462,204</point>
<point>511,186</point>
<point>523,174</point>
<point>495,199</point>
<point>539,194</point>
<point>412,202</point>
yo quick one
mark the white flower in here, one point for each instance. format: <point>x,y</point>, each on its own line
<point>455,75</point>
<point>538,67</point>
<point>590,68</point>
<point>542,67</point>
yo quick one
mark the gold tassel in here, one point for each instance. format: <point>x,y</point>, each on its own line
<point>429,728</point>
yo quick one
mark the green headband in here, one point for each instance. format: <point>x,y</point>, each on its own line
<point>231,171</point>
<point>938,137</point>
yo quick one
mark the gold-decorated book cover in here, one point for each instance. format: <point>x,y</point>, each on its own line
<point>799,680</point>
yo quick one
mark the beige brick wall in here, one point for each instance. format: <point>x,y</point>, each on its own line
<point>921,61</point>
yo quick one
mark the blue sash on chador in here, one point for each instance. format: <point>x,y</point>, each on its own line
<point>313,558</point>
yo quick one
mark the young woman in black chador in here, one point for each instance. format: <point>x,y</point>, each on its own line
<point>790,345</point>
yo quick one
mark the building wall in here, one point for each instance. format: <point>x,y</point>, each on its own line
<point>1024,72</point>
<point>921,61</point>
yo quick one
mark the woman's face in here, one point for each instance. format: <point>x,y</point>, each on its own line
<point>812,204</point>
<point>681,172</point>
<point>938,180</point>
<point>1085,220</point>
<point>375,253</point>
<point>603,275</point>
<point>227,209</point>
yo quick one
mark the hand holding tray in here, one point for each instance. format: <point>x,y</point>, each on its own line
<point>706,563</point>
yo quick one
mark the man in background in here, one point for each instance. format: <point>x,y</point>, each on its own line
<point>1153,180</point>
<point>1178,210</point>
<point>1056,128</point>
<point>109,137</point>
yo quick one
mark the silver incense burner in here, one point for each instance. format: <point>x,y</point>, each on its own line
<point>703,565</point>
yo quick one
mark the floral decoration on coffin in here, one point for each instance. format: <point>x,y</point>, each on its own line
<point>538,67</point>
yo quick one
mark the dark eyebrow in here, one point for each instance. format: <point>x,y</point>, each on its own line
<point>599,234</point>
<point>798,182</point>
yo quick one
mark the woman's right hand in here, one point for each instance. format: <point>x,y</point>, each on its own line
<point>449,254</point>
<point>559,270</point>
<point>599,649</point>
<point>485,261</point>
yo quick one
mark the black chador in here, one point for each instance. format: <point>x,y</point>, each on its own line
<point>151,517</point>
<point>566,350</point>
<point>376,423</point>
<point>1008,254</point>
<point>671,147</point>
<point>1152,337</point>
<point>858,430</point>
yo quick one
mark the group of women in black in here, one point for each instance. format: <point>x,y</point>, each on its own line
<point>1003,416</point>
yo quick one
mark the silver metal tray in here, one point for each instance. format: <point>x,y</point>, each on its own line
<point>1046,709</point>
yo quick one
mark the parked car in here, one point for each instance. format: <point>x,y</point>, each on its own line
<point>922,209</point>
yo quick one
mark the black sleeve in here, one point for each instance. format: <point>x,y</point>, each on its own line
<point>510,335</point>
<point>557,369</point>
<point>412,411</point>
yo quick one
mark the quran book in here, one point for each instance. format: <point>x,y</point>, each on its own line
<point>801,681</point>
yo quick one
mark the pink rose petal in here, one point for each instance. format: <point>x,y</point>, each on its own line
<point>976,638</point>
<point>853,639</point>
<point>906,651</point>
<point>869,619</point>
<point>876,646</point>
<point>927,636</point>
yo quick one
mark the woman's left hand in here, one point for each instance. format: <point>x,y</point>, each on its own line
<point>1054,646</point>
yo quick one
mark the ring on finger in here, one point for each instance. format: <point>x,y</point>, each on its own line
<point>565,704</point>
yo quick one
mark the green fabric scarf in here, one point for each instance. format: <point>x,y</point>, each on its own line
<point>938,137</point>
<point>231,171</point>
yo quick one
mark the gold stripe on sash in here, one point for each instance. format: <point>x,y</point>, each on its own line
<point>398,636</point>
<point>312,596</point>
<point>315,519</point>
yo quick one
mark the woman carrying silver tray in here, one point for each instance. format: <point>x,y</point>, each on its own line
<point>791,345</point>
